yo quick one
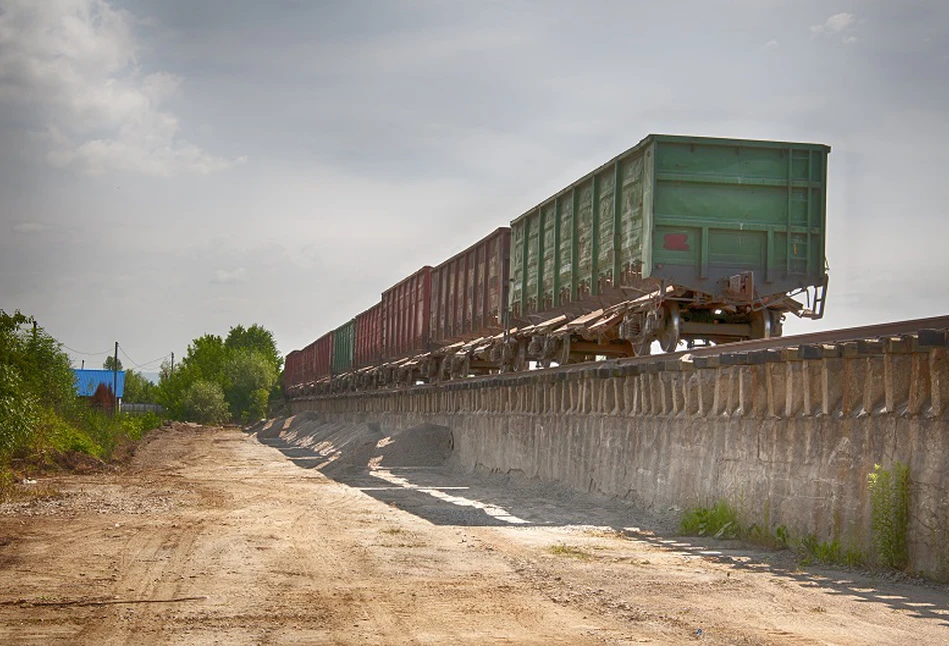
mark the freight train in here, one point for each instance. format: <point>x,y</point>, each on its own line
<point>679,239</point>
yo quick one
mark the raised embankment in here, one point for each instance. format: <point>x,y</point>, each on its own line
<point>788,437</point>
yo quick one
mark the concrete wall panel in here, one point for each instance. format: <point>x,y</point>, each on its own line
<point>788,442</point>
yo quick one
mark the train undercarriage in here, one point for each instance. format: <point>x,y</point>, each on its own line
<point>667,317</point>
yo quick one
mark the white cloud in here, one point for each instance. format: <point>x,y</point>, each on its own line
<point>833,25</point>
<point>224,277</point>
<point>74,63</point>
<point>29,227</point>
<point>771,44</point>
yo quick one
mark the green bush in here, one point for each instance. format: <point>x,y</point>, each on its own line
<point>203,402</point>
<point>250,376</point>
<point>40,414</point>
<point>18,411</point>
<point>57,434</point>
<point>245,366</point>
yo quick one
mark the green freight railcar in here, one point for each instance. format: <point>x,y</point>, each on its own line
<point>344,338</point>
<point>713,236</point>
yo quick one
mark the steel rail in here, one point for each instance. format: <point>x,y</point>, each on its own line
<point>863,332</point>
<point>842,335</point>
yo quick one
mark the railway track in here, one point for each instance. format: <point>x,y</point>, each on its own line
<point>878,331</point>
<point>933,331</point>
<point>924,332</point>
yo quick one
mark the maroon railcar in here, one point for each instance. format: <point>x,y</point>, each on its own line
<point>323,356</point>
<point>406,315</point>
<point>308,364</point>
<point>469,290</point>
<point>317,358</point>
<point>369,338</point>
<point>293,369</point>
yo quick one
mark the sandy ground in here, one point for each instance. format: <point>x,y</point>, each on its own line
<point>213,536</point>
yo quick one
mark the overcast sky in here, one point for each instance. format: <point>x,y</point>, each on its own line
<point>170,168</point>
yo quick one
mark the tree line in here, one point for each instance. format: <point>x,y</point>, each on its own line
<point>41,419</point>
<point>234,378</point>
<point>219,379</point>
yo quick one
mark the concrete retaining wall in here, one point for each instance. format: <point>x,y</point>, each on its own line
<point>787,440</point>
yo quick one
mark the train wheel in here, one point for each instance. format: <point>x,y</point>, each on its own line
<point>671,328</point>
<point>642,347</point>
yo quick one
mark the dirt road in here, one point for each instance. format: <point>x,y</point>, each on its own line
<point>210,536</point>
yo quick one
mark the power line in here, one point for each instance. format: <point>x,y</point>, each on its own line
<point>109,353</point>
<point>122,350</point>
<point>88,354</point>
<point>140,365</point>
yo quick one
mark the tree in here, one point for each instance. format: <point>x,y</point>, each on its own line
<point>250,377</point>
<point>204,361</point>
<point>138,389</point>
<point>111,361</point>
<point>43,369</point>
<point>103,398</point>
<point>244,366</point>
<point>257,338</point>
<point>203,402</point>
<point>18,414</point>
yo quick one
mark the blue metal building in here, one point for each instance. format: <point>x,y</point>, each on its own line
<point>88,380</point>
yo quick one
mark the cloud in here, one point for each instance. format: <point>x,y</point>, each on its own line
<point>834,25</point>
<point>771,44</point>
<point>73,63</point>
<point>224,277</point>
<point>29,227</point>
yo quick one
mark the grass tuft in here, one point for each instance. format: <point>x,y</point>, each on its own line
<point>569,551</point>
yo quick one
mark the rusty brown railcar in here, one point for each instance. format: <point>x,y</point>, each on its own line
<point>369,337</point>
<point>293,370</point>
<point>406,315</point>
<point>469,290</point>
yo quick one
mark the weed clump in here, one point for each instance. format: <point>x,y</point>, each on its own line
<point>723,521</point>
<point>889,515</point>
<point>718,521</point>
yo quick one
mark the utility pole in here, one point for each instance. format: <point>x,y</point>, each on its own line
<point>115,380</point>
<point>172,366</point>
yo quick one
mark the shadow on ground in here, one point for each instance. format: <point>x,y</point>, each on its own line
<point>445,495</point>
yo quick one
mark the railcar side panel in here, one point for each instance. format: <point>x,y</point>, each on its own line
<point>469,290</point>
<point>321,357</point>
<point>343,340</point>
<point>368,342</point>
<point>407,315</point>
<point>292,369</point>
<point>688,211</point>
